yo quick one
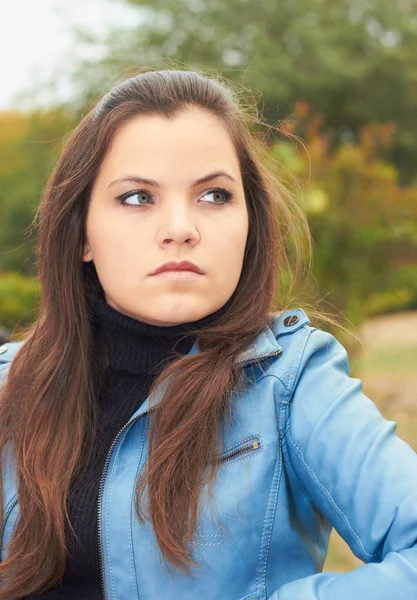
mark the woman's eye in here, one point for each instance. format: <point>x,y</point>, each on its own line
<point>122,199</point>
<point>220,192</point>
<point>217,193</point>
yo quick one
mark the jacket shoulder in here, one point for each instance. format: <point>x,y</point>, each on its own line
<point>7,353</point>
<point>291,331</point>
<point>304,342</point>
<point>288,322</point>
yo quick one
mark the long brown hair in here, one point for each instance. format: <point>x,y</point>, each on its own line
<point>47,405</point>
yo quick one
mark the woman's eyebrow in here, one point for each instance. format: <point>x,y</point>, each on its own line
<point>143,180</point>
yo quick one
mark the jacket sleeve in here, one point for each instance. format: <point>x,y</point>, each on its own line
<point>358,473</point>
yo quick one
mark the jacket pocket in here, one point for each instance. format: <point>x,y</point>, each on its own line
<point>244,449</point>
<point>226,494</point>
<point>11,512</point>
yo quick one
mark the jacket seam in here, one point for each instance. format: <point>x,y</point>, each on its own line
<point>292,474</point>
<point>14,523</point>
<point>132,504</point>
<point>274,492</point>
<point>279,456</point>
<point>286,386</point>
<point>284,404</point>
<point>271,507</point>
<point>325,491</point>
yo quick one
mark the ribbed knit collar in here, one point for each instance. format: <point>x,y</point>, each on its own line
<point>137,347</point>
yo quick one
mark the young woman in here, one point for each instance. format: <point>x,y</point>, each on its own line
<point>171,434</point>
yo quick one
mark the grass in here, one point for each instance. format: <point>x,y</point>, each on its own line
<point>402,359</point>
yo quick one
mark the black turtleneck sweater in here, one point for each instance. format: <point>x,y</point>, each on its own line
<point>136,353</point>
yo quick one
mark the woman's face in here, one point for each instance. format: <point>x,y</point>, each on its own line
<point>169,219</point>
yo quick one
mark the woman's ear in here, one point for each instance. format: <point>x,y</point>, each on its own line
<point>87,256</point>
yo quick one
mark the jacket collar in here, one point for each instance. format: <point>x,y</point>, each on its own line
<point>264,345</point>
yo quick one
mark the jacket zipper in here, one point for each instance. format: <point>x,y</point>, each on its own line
<point>250,361</point>
<point>5,517</point>
<point>246,448</point>
<point>106,464</point>
<point>101,486</point>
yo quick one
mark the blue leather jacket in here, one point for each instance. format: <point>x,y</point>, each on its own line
<point>307,451</point>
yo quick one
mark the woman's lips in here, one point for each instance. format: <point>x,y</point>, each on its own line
<point>180,274</point>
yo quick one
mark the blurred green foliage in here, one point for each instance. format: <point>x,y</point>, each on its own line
<point>19,297</point>
<point>29,145</point>
<point>354,61</point>
<point>363,222</point>
<point>339,74</point>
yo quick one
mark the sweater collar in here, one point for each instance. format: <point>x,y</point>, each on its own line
<point>137,347</point>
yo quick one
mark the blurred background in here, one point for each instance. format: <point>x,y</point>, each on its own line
<point>341,75</point>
